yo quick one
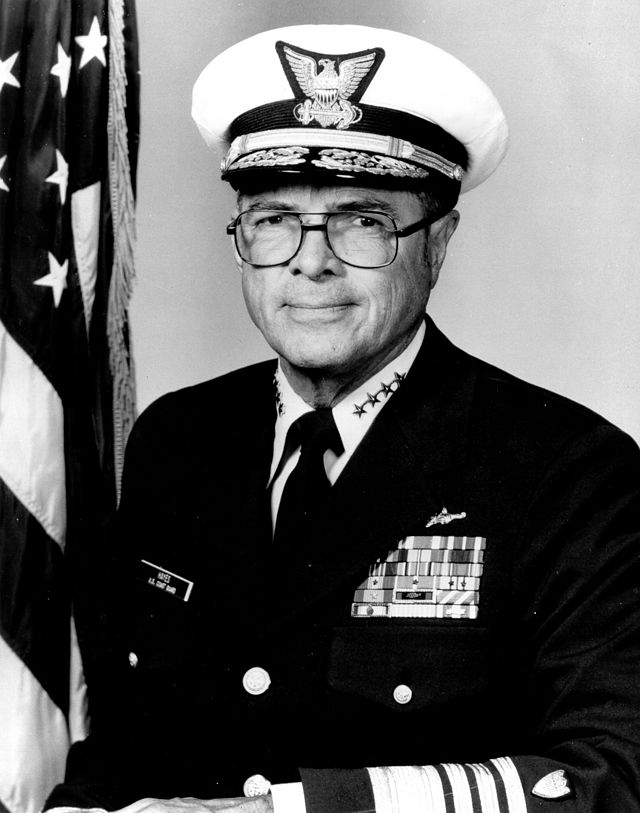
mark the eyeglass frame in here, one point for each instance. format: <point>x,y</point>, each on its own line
<point>412,228</point>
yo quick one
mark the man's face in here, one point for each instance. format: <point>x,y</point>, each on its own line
<point>327,318</point>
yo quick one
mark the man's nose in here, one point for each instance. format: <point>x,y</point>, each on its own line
<point>315,257</point>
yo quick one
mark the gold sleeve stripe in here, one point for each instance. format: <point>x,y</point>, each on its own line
<point>434,791</point>
<point>487,790</point>
<point>449,788</point>
<point>460,787</point>
<point>512,784</point>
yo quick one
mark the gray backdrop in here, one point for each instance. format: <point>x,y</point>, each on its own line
<point>542,276</point>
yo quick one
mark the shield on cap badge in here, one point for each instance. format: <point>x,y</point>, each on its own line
<point>554,785</point>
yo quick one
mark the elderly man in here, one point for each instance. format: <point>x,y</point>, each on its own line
<point>378,574</point>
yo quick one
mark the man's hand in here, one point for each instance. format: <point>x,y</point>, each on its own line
<point>240,804</point>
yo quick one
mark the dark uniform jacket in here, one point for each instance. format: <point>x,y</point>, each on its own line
<point>547,674</point>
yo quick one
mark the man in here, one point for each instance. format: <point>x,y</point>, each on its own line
<point>381,574</point>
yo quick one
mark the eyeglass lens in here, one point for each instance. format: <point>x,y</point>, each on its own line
<point>269,237</point>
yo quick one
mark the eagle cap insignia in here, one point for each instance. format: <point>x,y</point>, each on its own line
<point>327,85</point>
<point>554,785</point>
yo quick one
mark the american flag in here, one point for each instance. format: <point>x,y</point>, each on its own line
<point>68,139</point>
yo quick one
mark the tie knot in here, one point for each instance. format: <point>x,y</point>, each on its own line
<point>317,431</point>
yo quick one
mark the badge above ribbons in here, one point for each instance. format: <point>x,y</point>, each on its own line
<point>425,577</point>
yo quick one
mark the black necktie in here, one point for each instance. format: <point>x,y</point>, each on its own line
<point>307,487</point>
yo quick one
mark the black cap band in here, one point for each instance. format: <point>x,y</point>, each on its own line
<point>375,120</point>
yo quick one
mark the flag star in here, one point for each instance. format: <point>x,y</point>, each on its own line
<point>62,69</point>
<point>92,44</point>
<point>56,279</point>
<point>3,185</point>
<point>6,66</point>
<point>60,176</point>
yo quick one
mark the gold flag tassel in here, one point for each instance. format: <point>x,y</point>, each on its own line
<point>123,272</point>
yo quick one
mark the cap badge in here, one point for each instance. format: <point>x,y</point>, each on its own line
<point>554,785</point>
<point>324,84</point>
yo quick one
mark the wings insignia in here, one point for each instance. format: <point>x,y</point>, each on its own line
<point>304,68</point>
<point>352,71</point>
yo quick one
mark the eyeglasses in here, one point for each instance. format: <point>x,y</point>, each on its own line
<point>269,237</point>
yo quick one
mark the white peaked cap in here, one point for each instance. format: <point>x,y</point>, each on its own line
<point>352,102</point>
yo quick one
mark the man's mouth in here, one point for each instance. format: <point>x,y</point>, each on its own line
<point>318,305</point>
<point>308,311</point>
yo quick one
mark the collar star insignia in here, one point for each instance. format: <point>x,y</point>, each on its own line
<point>444,518</point>
<point>93,45</point>
<point>373,399</point>
<point>56,279</point>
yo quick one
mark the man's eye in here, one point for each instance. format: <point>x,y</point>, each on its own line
<point>269,220</point>
<point>366,222</point>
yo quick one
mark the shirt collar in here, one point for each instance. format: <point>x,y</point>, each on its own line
<point>355,413</point>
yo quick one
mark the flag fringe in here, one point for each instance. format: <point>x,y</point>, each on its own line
<point>123,272</point>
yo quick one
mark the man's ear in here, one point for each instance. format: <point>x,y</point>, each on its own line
<point>440,233</point>
<point>237,257</point>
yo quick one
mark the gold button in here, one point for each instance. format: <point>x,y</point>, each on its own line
<point>256,680</point>
<point>256,785</point>
<point>402,694</point>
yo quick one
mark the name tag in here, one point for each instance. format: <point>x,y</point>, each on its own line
<point>162,579</point>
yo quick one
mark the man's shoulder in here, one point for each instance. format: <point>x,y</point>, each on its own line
<point>522,414</point>
<point>226,397</point>
<point>498,412</point>
<point>495,395</point>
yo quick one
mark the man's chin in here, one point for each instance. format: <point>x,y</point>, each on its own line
<point>315,362</point>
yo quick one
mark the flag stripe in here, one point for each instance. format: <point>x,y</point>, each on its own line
<point>34,611</point>
<point>33,737</point>
<point>32,438</point>
<point>85,217</point>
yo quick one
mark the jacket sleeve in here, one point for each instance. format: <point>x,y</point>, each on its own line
<point>576,600</point>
